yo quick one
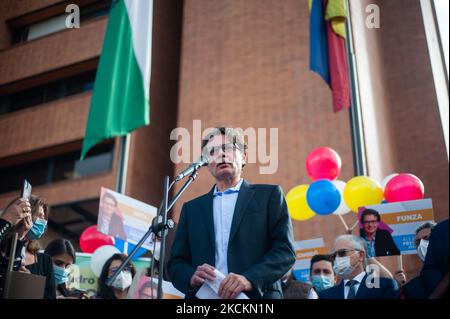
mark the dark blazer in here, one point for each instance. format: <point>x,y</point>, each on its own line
<point>384,243</point>
<point>260,245</point>
<point>388,290</point>
<point>435,266</point>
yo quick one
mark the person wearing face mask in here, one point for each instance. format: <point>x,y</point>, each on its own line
<point>421,241</point>
<point>242,230</point>
<point>63,257</point>
<point>39,263</point>
<point>349,264</point>
<point>419,287</point>
<point>322,273</point>
<point>28,259</point>
<point>120,286</point>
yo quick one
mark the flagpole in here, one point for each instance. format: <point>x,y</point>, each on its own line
<point>121,180</point>
<point>359,158</point>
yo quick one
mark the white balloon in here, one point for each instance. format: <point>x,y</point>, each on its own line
<point>100,256</point>
<point>386,180</point>
<point>343,208</point>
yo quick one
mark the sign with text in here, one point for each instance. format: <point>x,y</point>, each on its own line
<point>304,251</point>
<point>403,218</point>
<point>124,217</point>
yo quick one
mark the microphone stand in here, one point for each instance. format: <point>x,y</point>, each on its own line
<point>160,223</point>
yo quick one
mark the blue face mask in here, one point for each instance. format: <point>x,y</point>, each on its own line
<point>61,274</point>
<point>321,283</point>
<point>38,229</point>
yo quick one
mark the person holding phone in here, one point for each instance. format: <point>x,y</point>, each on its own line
<point>120,286</point>
<point>15,218</point>
<point>35,262</point>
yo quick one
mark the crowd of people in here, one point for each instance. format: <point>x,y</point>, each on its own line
<point>28,219</point>
<point>243,231</point>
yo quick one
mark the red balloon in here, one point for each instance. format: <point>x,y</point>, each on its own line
<point>404,187</point>
<point>91,239</point>
<point>323,163</point>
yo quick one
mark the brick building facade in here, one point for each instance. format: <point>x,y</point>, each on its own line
<point>239,63</point>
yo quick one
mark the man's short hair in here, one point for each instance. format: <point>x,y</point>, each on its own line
<point>356,241</point>
<point>370,211</point>
<point>317,258</point>
<point>111,196</point>
<point>429,225</point>
<point>235,135</point>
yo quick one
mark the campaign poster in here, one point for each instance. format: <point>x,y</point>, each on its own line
<point>124,217</point>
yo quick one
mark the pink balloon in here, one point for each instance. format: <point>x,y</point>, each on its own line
<point>91,239</point>
<point>404,187</point>
<point>323,163</point>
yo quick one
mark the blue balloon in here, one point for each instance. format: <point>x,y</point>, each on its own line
<point>323,197</point>
<point>120,245</point>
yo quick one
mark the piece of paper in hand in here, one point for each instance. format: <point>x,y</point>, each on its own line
<point>210,288</point>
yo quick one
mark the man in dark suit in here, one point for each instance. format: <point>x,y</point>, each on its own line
<point>242,230</point>
<point>433,279</point>
<point>435,268</point>
<point>379,242</point>
<point>356,283</point>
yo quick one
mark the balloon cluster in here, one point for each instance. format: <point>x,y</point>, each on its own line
<point>326,195</point>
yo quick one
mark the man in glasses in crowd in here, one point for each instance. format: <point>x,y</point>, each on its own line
<point>349,264</point>
<point>242,230</point>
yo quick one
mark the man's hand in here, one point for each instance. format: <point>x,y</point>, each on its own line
<point>17,211</point>
<point>203,272</point>
<point>232,285</point>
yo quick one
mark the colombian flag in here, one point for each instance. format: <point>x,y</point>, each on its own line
<point>327,48</point>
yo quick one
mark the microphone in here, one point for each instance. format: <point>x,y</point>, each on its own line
<point>202,161</point>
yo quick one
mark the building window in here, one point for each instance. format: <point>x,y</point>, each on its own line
<point>58,168</point>
<point>47,92</point>
<point>54,24</point>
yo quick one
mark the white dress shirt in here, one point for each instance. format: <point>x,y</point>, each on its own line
<point>358,278</point>
<point>223,211</point>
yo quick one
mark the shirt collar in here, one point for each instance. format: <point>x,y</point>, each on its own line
<point>359,278</point>
<point>231,190</point>
<point>367,239</point>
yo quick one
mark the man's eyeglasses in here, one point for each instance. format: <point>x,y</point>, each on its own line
<point>214,150</point>
<point>342,252</point>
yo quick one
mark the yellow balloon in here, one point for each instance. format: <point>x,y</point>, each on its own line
<point>362,191</point>
<point>297,204</point>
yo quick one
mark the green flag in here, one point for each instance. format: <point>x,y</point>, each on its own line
<point>120,101</point>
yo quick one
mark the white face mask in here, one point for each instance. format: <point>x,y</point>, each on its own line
<point>422,249</point>
<point>342,267</point>
<point>123,280</point>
